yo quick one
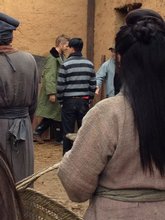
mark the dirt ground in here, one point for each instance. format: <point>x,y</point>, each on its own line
<point>46,155</point>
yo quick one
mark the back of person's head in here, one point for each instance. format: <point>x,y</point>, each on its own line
<point>7,25</point>
<point>76,44</point>
<point>61,39</point>
<point>141,45</point>
<point>10,205</point>
<point>143,28</point>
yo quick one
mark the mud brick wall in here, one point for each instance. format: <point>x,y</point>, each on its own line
<point>42,21</point>
<point>108,21</point>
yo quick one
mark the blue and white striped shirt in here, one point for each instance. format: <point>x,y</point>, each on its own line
<point>76,78</point>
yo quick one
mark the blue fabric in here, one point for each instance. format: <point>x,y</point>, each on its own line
<point>107,72</point>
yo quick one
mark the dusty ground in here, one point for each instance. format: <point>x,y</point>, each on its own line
<point>46,155</point>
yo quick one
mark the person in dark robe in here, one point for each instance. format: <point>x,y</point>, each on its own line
<point>18,97</point>
<point>11,207</point>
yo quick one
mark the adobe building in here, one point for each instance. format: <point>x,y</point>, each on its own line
<point>110,15</point>
<point>95,21</point>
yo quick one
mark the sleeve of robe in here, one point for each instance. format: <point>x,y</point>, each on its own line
<point>95,143</point>
<point>34,86</point>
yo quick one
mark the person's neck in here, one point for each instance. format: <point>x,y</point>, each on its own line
<point>76,53</point>
<point>7,48</point>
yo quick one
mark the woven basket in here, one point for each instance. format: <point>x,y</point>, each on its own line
<point>37,206</point>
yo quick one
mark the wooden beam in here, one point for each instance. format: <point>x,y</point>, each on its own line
<point>128,7</point>
<point>90,29</point>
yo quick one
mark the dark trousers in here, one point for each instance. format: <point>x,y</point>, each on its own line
<point>55,127</point>
<point>73,111</point>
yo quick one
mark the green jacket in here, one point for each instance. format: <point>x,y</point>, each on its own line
<point>45,108</point>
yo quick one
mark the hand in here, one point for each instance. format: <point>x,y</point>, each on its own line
<point>97,90</point>
<point>52,98</point>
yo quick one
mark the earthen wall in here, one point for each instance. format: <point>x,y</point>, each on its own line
<point>108,21</point>
<point>42,21</point>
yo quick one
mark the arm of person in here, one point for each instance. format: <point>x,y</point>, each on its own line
<point>61,83</point>
<point>101,75</point>
<point>33,105</point>
<point>50,72</point>
<point>81,167</point>
<point>97,91</point>
<point>92,85</point>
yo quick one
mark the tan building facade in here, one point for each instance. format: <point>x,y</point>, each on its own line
<point>108,21</point>
<point>41,21</point>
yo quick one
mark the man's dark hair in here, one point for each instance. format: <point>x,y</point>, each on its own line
<point>76,43</point>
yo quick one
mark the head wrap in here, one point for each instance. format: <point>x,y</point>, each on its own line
<point>139,14</point>
<point>142,25</point>
<point>7,25</point>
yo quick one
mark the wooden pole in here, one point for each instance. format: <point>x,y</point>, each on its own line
<point>102,92</point>
<point>90,29</point>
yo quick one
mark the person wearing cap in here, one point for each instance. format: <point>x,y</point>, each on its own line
<point>117,161</point>
<point>18,98</point>
<point>106,73</point>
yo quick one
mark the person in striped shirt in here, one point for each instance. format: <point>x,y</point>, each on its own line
<point>76,87</point>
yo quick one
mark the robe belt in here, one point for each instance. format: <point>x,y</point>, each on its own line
<point>17,130</point>
<point>131,195</point>
<point>14,112</point>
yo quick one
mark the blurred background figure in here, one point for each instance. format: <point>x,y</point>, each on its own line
<point>48,107</point>
<point>106,73</point>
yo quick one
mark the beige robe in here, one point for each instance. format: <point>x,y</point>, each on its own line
<point>18,89</point>
<point>106,153</point>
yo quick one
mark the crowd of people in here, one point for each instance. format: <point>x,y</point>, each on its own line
<point>69,85</point>
<point>117,159</point>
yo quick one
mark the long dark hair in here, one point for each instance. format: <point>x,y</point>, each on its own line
<point>141,44</point>
<point>10,203</point>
